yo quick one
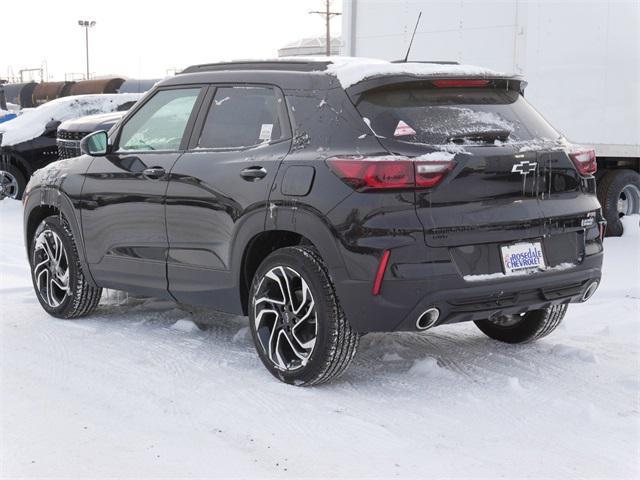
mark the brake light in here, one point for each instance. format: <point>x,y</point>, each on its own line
<point>584,160</point>
<point>368,174</point>
<point>460,83</point>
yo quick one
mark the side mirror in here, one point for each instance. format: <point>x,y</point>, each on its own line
<point>52,126</point>
<point>95,144</point>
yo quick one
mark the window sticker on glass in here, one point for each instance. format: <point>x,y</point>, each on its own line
<point>403,129</point>
<point>265,131</point>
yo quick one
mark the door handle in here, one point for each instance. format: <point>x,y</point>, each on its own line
<point>153,173</point>
<point>253,174</point>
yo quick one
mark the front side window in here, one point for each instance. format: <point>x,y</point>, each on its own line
<point>160,123</point>
<point>241,117</point>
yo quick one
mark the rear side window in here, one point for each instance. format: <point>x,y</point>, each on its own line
<point>242,117</point>
<point>460,116</point>
<point>160,123</point>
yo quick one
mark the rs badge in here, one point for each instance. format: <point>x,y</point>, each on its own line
<point>524,167</point>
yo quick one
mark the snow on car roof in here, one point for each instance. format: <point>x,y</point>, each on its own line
<point>352,70</point>
<point>31,123</point>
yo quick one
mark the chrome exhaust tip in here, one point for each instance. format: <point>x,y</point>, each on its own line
<point>428,318</point>
<point>590,290</point>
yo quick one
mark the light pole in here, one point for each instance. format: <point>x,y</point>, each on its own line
<point>87,24</point>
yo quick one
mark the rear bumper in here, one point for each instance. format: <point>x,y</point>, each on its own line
<point>402,300</point>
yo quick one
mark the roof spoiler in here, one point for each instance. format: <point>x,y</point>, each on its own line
<point>515,82</point>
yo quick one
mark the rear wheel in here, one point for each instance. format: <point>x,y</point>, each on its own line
<point>522,328</point>
<point>57,275</point>
<point>297,324</point>
<point>12,182</point>
<point>619,195</point>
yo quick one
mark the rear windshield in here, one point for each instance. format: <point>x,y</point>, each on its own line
<point>453,115</point>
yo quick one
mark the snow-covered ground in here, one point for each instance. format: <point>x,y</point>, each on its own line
<point>138,391</point>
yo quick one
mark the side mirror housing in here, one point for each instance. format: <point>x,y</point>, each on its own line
<point>95,144</point>
<point>51,126</point>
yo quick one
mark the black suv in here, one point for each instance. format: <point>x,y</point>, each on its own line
<point>71,132</point>
<point>325,200</point>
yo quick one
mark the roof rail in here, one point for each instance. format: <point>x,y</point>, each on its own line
<point>438,62</point>
<point>286,65</point>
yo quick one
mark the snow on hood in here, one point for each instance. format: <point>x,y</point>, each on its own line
<point>351,70</point>
<point>91,121</point>
<point>31,123</point>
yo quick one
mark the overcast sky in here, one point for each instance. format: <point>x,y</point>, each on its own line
<point>143,38</point>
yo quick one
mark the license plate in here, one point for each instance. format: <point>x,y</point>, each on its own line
<point>522,257</point>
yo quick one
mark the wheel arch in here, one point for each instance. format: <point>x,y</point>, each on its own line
<point>44,202</point>
<point>293,226</point>
<point>11,157</point>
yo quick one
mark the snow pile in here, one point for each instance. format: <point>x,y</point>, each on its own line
<point>31,123</point>
<point>352,70</point>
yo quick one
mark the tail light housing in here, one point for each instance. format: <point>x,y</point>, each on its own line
<point>372,174</point>
<point>584,159</point>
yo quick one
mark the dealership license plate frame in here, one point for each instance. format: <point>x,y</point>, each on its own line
<point>522,247</point>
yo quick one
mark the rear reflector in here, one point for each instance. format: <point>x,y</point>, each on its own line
<point>584,160</point>
<point>382,267</point>
<point>369,174</point>
<point>460,83</point>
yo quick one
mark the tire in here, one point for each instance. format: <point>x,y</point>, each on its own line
<point>12,182</point>
<point>313,320</point>
<point>72,298</point>
<point>524,328</point>
<point>619,195</point>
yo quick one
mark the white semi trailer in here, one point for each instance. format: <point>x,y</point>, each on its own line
<point>580,58</point>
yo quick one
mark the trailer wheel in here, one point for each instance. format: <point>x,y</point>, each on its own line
<point>619,195</point>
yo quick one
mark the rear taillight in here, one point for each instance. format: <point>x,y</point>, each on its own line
<point>452,83</point>
<point>584,160</point>
<point>367,174</point>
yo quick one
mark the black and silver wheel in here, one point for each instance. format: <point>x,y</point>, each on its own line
<point>12,182</point>
<point>524,327</point>
<point>298,326</point>
<point>57,275</point>
<point>619,195</point>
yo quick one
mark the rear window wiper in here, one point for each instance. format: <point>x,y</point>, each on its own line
<point>480,136</point>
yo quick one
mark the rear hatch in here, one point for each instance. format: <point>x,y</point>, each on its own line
<point>511,176</point>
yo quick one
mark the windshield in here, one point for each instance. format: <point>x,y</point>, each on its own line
<point>459,116</point>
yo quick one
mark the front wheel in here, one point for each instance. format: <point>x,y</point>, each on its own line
<point>525,327</point>
<point>57,275</point>
<point>297,324</point>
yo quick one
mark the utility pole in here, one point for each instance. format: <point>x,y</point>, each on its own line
<point>327,13</point>
<point>87,24</point>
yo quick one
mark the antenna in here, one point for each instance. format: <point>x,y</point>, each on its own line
<point>406,57</point>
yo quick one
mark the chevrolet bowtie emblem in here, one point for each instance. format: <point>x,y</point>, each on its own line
<point>524,167</point>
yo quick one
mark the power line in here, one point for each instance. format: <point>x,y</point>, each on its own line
<point>327,14</point>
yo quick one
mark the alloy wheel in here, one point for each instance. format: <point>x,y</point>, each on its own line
<point>51,268</point>
<point>8,185</point>
<point>286,319</point>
